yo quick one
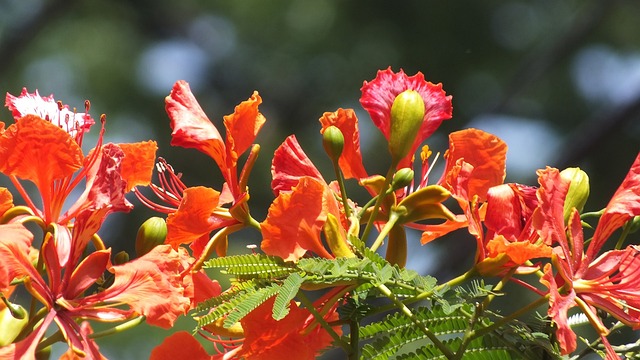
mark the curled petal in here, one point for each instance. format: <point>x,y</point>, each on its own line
<point>558,307</point>
<point>624,205</point>
<point>295,220</point>
<point>549,217</point>
<point>243,127</point>
<point>485,152</point>
<point>289,164</point>
<point>191,126</point>
<point>6,200</point>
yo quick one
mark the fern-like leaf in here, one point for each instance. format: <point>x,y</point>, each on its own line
<point>249,266</point>
<point>250,303</point>
<point>287,292</point>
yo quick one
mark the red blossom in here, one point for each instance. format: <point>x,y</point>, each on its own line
<point>379,94</point>
<point>609,282</point>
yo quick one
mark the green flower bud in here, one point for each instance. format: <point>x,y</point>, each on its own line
<point>578,190</point>
<point>333,142</point>
<point>10,325</point>
<point>402,178</point>
<point>151,233</point>
<point>407,113</point>
<point>121,258</point>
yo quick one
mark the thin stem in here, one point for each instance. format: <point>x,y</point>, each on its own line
<point>399,304</point>
<point>393,218</point>
<point>119,328</point>
<point>309,306</point>
<point>354,337</point>
<point>376,207</point>
<point>506,319</point>
<point>343,190</point>
<point>625,231</point>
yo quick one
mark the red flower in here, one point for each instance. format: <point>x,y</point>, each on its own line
<point>150,285</point>
<point>378,97</point>
<point>609,282</point>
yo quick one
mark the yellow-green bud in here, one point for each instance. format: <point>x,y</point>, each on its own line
<point>10,325</point>
<point>407,113</point>
<point>402,178</point>
<point>151,233</point>
<point>333,142</point>
<point>578,190</point>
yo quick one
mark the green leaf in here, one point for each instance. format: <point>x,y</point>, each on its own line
<point>287,292</point>
<point>249,266</point>
<point>249,304</point>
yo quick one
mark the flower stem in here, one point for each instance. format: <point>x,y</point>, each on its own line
<point>376,207</point>
<point>309,306</point>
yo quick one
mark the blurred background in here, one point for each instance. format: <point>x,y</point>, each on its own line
<point>559,81</point>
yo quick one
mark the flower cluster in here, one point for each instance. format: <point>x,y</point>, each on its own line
<point>319,273</point>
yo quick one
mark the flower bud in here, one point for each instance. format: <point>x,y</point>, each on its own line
<point>407,114</point>
<point>333,142</point>
<point>151,233</point>
<point>402,178</point>
<point>578,190</point>
<point>11,324</point>
<point>121,258</point>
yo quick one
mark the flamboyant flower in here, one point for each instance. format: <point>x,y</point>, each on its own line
<point>150,285</point>
<point>610,281</point>
<point>379,95</point>
<point>194,212</point>
<point>49,155</point>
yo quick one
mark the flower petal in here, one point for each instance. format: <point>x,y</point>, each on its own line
<point>485,152</point>
<point>180,345</point>
<point>6,200</point>
<point>138,163</point>
<point>243,127</point>
<point>289,164</point>
<point>195,216</point>
<point>47,108</point>
<point>624,205</point>
<point>294,222</point>
<point>36,150</point>
<point>558,307</point>
<point>268,339</point>
<point>191,126</point>
<point>151,285</point>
